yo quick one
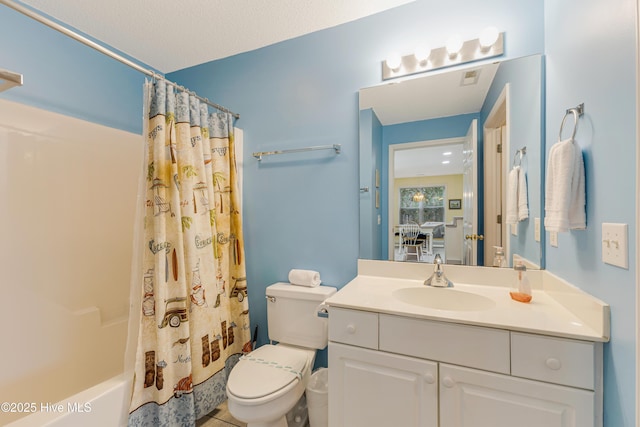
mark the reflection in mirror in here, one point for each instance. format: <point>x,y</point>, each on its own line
<point>437,153</point>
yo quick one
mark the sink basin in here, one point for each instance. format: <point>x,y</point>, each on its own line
<point>443,299</point>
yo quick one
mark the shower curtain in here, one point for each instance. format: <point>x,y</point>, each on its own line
<point>190,288</point>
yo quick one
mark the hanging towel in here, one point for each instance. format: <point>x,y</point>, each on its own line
<point>564,189</point>
<point>512,195</point>
<point>523,203</point>
<point>308,278</point>
<point>577,207</point>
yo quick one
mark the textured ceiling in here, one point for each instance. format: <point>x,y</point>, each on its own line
<point>150,31</point>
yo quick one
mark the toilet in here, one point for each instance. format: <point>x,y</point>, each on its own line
<point>267,383</point>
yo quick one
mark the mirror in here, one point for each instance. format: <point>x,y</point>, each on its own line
<point>439,150</point>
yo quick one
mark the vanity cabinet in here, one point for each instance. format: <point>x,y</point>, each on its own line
<point>388,370</point>
<point>372,388</point>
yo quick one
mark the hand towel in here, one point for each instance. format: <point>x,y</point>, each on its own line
<point>564,188</point>
<point>512,196</point>
<point>577,207</point>
<point>308,278</point>
<point>523,202</point>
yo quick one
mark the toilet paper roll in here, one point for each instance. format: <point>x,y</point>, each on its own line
<point>307,278</point>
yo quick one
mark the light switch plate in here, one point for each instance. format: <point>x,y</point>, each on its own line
<point>536,229</point>
<point>615,245</point>
<point>553,238</point>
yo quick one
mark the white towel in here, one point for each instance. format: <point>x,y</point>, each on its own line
<point>308,278</point>
<point>512,196</point>
<point>564,188</point>
<point>523,202</point>
<point>577,208</point>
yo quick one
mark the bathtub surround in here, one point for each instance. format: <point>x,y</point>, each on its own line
<point>191,281</point>
<point>66,280</point>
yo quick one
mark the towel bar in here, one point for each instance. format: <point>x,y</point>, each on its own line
<point>336,147</point>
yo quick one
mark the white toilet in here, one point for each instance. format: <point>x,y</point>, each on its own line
<point>268,382</point>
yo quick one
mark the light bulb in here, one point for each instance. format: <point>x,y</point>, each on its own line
<point>394,61</point>
<point>422,53</point>
<point>454,44</point>
<point>488,37</point>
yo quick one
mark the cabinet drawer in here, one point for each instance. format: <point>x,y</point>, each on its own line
<point>555,360</point>
<point>473,346</point>
<point>353,327</point>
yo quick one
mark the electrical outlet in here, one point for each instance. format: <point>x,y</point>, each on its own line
<point>379,220</point>
<point>615,247</point>
<point>536,229</point>
<point>553,238</point>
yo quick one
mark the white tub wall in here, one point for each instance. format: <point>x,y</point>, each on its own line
<point>68,189</point>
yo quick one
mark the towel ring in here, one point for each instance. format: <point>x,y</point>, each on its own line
<point>576,111</point>
<point>519,156</point>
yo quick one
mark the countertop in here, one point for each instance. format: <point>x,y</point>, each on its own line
<point>544,315</point>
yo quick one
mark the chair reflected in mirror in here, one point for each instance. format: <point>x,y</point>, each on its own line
<point>412,245</point>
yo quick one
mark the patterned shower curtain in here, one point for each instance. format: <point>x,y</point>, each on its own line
<point>194,321</point>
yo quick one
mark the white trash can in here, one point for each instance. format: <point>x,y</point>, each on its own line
<point>318,398</point>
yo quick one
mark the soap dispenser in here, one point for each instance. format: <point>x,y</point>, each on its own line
<point>499,260</point>
<point>522,288</point>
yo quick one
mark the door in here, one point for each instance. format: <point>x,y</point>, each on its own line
<point>472,398</point>
<point>496,149</point>
<point>369,388</point>
<point>493,192</point>
<point>469,191</point>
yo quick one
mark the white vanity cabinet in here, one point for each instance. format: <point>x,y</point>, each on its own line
<point>391,370</point>
<point>371,388</point>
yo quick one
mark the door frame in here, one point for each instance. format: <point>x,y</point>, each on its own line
<point>498,117</point>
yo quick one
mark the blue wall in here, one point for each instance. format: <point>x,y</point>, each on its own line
<point>591,58</point>
<point>66,77</point>
<point>301,211</point>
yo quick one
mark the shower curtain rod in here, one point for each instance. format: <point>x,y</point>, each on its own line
<point>49,23</point>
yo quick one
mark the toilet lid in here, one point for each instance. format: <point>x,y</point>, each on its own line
<point>265,371</point>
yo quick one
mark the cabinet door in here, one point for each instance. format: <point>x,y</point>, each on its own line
<point>370,388</point>
<point>471,398</point>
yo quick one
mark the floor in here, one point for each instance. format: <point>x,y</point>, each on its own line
<point>220,417</point>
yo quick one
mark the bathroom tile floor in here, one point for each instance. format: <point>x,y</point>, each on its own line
<point>220,417</point>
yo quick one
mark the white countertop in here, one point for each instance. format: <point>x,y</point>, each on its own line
<point>545,314</point>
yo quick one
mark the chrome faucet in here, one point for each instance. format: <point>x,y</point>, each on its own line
<point>438,279</point>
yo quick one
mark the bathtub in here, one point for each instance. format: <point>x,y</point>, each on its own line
<point>102,405</point>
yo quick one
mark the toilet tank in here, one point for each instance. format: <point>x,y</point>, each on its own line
<point>291,314</point>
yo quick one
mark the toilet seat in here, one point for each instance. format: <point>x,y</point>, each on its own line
<point>267,370</point>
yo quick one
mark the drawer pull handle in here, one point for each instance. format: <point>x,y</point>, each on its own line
<point>448,382</point>
<point>429,378</point>
<point>553,363</point>
<point>351,329</point>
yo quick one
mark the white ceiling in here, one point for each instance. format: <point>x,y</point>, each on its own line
<point>427,161</point>
<point>161,33</point>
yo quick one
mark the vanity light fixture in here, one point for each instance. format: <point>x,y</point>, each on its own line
<point>456,52</point>
<point>488,37</point>
<point>447,153</point>
<point>454,44</point>
<point>394,61</point>
<point>422,54</point>
<point>446,162</point>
